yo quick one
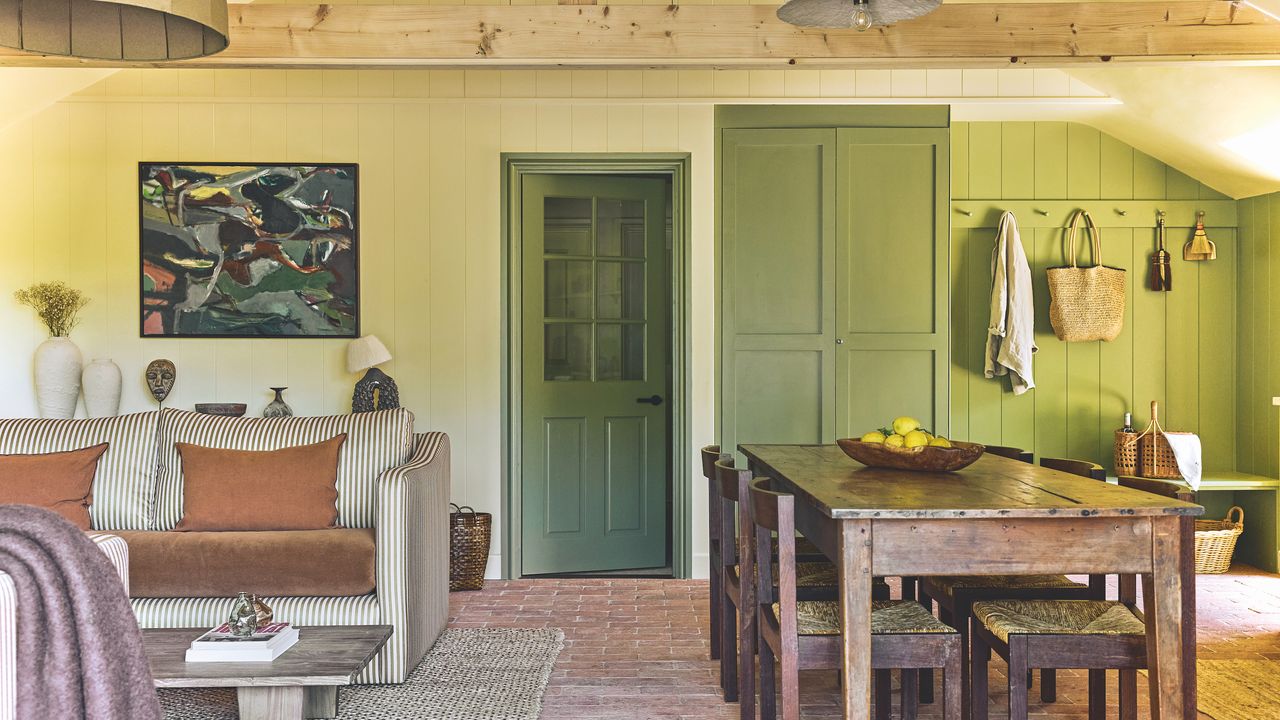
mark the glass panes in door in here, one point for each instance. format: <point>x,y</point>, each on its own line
<point>594,269</point>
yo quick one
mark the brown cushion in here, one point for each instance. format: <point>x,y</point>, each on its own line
<point>282,563</point>
<point>59,481</point>
<point>292,488</point>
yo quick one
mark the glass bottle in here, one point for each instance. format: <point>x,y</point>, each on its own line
<point>1128,423</point>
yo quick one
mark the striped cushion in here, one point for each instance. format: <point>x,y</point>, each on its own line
<point>124,485</point>
<point>376,442</point>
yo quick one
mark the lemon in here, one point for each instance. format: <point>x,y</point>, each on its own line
<point>875,436</point>
<point>904,425</point>
<point>895,440</point>
<point>940,442</point>
<point>915,439</point>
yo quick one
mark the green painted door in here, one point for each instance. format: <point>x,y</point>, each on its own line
<point>892,271</point>
<point>595,364</point>
<point>778,192</point>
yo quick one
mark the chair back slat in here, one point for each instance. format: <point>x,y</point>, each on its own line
<point>1083,468</point>
<point>730,481</point>
<point>710,456</point>
<point>1012,453</point>
<point>1163,488</point>
<point>773,512</point>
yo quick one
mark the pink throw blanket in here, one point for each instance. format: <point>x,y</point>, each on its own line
<point>80,653</point>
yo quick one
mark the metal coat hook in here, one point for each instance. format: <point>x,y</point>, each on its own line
<point>968,213</point>
<point>1042,212</point>
<point>1121,212</point>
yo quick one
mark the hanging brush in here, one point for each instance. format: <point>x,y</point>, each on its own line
<point>1161,272</point>
<point>1200,247</point>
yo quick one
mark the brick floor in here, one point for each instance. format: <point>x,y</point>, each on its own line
<point>637,649</point>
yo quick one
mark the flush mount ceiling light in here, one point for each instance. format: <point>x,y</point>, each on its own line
<point>140,30</point>
<point>858,14</point>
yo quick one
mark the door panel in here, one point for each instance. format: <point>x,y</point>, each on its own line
<point>777,255</point>
<point>779,396</point>
<point>890,240</point>
<point>595,339</point>
<point>892,353</point>
<point>625,441</point>
<point>906,389</point>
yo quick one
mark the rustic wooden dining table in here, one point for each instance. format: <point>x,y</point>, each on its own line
<point>995,517</point>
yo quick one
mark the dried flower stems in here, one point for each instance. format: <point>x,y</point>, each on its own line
<point>57,304</point>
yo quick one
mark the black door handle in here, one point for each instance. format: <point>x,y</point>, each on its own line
<point>651,400</point>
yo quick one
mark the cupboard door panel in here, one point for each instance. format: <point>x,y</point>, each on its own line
<point>777,285</point>
<point>892,278</point>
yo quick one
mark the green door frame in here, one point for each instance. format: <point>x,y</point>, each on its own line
<point>675,166</point>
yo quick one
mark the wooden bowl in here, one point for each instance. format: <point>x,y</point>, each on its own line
<point>224,409</point>
<point>925,459</point>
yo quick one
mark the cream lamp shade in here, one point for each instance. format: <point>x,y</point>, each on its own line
<point>366,352</point>
<point>127,30</point>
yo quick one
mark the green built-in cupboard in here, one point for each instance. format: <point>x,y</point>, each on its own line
<point>833,260</point>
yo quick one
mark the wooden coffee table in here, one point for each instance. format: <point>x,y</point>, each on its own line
<point>301,683</point>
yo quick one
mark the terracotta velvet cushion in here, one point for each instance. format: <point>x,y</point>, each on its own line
<point>293,488</point>
<point>59,481</point>
<point>282,563</point>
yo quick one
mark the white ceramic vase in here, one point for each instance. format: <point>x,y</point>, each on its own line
<point>58,366</point>
<point>101,381</point>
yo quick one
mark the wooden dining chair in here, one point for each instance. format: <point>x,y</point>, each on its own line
<point>1097,635</point>
<point>710,456</point>
<point>815,577</point>
<point>956,595</point>
<point>1012,453</point>
<point>805,634</point>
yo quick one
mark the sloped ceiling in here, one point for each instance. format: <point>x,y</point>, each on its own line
<point>1181,115</point>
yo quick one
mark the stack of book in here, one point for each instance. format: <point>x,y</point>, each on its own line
<point>265,645</point>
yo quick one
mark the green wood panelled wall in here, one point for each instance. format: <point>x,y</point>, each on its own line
<point>1258,319</point>
<point>1177,347</point>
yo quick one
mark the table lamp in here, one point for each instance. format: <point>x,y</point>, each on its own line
<point>376,390</point>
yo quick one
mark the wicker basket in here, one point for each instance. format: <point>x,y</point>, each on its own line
<point>469,533</point>
<point>1216,541</point>
<point>1147,454</point>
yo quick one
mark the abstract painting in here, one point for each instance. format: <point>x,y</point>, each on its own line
<point>249,250</point>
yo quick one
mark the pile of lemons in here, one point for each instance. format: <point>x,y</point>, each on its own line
<point>905,433</point>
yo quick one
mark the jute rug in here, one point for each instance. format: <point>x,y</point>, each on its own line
<point>470,674</point>
<point>1239,689</point>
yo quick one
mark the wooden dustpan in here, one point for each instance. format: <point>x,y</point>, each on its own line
<point>1200,247</point>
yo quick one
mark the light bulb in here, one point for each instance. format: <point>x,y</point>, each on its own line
<point>861,18</point>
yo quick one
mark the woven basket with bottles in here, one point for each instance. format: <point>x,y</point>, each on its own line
<point>1147,454</point>
<point>1216,541</point>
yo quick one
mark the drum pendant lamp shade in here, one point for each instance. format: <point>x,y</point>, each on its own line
<point>125,30</point>
<point>840,13</point>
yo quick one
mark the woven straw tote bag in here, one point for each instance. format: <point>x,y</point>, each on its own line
<point>1086,303</point>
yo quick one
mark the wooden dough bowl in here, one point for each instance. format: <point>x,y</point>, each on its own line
<point>925,459</point>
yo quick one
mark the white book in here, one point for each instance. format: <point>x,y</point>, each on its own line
<point>219,646</point>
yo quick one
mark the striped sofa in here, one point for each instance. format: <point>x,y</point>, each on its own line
<point>389,479</point>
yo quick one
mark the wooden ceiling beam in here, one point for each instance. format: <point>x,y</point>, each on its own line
<point>722,36</point>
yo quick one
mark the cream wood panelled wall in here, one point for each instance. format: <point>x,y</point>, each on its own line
<point>428,144</point>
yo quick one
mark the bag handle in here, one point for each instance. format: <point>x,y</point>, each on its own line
<point>1091,229</point>
<point>463,510</point>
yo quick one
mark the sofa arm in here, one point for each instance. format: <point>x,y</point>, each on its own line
<point>117,551</point>
<point>412,535</point>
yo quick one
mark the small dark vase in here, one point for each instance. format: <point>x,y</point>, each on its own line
<point>278,407</point>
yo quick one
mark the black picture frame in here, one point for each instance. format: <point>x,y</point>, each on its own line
<point>351,276</point>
